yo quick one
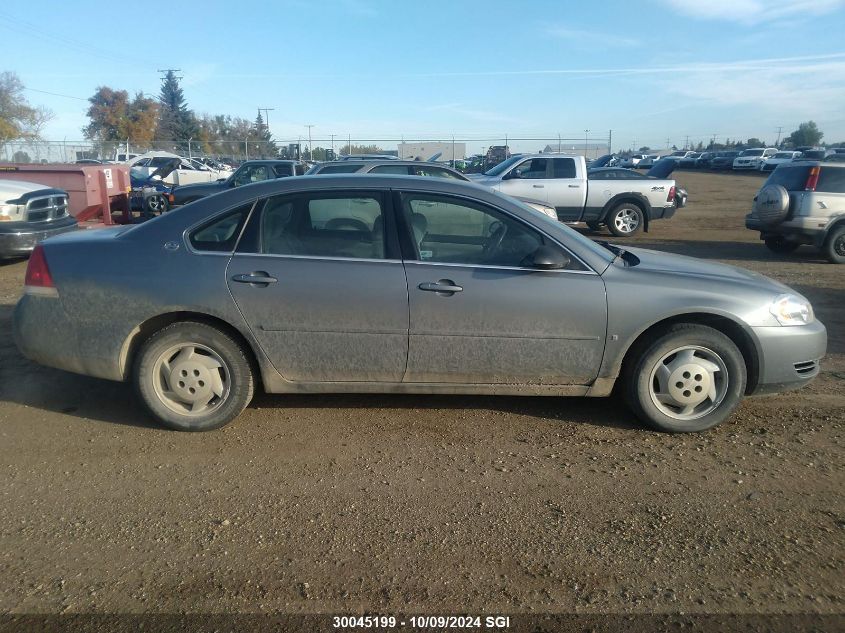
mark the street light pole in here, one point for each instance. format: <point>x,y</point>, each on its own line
<point>586,132</point>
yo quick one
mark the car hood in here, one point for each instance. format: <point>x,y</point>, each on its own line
<point>13,189</point>
<point>663,167</point>
<point>204,187</point>
<point>487,181</point>
<point>657,261</point>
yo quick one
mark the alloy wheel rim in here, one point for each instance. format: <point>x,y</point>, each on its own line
<point>191,379</point>
<point>155,203</point>
<point>688,383</point>
<point>627,221</point>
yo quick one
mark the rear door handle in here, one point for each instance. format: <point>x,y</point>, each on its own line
<point>258,278</point>
<point>538,186</point>
<point>574,186</point>
<point>444,286</point>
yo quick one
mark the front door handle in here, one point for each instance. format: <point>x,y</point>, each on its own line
<point>258,278</point>
<point>444,286</point>
<point>538,186</point>
<point>574,186</point>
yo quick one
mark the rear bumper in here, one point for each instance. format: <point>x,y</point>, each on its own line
<point>20,239</point>
<point>663,213</point>
<point>799,230</point>
<point>789,356</point>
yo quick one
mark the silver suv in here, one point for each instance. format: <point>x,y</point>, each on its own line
<point>802,202</point>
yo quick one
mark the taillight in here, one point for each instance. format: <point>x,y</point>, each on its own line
<point>671,196</point>
<point>37,271</point>
<point>812,179</point>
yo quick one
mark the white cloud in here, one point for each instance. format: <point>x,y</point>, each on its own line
<point>754,11</point>
<point>580,37</point>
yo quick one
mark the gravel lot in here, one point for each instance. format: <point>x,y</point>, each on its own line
<point>433,504</point>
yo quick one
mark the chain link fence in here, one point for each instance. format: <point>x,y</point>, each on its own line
<point>231,151</point>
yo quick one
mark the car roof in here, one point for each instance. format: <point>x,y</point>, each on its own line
<point>386,161</point>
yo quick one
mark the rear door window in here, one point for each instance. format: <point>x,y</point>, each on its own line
<point>563,167</point>
<point>339,169</point>
<point>221,233</point>
<point>831,180</point>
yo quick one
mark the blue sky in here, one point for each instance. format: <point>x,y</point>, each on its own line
<point>649,70</point>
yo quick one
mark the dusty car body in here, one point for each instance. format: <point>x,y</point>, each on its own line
<point>398,284</point>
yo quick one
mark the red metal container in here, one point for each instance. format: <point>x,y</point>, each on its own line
<point>94,191</point>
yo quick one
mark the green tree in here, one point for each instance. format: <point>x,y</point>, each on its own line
<point>645,149</point>
<point>176,122</point>
<point>808,133</point>
<point>261,136</point>
<point>361,149</point>
<point>18,119</point>
<point>755,142</point>
<point>21,157</point>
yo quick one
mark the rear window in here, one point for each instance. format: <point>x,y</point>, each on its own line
<point>791,178</point>
<point>814,153</point>
<point>831,180</point>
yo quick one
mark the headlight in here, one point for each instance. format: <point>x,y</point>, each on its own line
<point>792,310</point>
<point>9,212</point>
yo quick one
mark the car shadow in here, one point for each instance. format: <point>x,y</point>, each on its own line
<point>31,385</point>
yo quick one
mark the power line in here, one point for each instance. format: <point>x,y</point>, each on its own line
<point>55,94</point>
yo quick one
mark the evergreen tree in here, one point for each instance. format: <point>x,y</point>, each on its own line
<point>176,122</point>
<point>262,136</point>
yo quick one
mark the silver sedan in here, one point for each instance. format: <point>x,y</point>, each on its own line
<point>400,284</point>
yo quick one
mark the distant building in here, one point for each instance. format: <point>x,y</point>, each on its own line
<point>427,149</point>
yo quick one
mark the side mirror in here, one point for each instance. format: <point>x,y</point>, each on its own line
<point>548,258</point>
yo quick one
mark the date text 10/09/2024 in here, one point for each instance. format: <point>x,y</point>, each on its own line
<point>421,622</point>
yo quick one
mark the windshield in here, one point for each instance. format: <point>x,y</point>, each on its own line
<point>751,152</point>
<point>501,168</point>
<point>783,155</point>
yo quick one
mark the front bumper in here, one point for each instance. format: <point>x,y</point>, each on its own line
<point>789,356</point>
<point>19,238</point>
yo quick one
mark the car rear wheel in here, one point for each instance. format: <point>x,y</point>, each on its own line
<point>625,220</point>
<point>193,377</point>
<point>778,244</point>
<point>689,378</point>
<point>834,246</point>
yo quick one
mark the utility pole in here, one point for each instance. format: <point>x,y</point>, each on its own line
<point>686,143</point>
<point>609,141</point>
<point>266,116</point>
<point>586,132</point>
<point>164,72</point>
<point>713,139</point>
<point>333,156</point>
<point>310,149</point>
<point>558,142</point>
<point>780,130</point>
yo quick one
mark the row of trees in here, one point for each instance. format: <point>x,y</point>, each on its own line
<point>807,134</point>
<point>168,122</point>
<point>18,119</point>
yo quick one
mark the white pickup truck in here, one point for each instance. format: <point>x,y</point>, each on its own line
<point>29,213</point>
<point>625,201</point>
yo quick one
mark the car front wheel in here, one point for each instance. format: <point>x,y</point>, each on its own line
<point>689,378</point>
<point>625,220</point>
<point>193,377</point>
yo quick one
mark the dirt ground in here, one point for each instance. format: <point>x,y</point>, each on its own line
<point>433,504</point>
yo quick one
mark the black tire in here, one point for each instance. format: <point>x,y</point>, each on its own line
<point>594,225</point>
<point>834,246</point>
<point>235,370</point>
<point>640,377</point>
<point>778,244</point>
<point>625,214</point>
